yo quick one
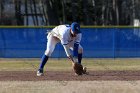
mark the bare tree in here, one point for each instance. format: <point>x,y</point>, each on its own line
<point>1,8</point>
<point>74,10</point>
<point>63,11</point>
<point>18,16</point>
<point>32,12</point>
<point>45,15</point>
<point>26,12</point>
<point>35,11</point>
<point>115,13</point>
<point>103,12</point>
<point>136,13</point>
<point>1,11</point>
<point>87,12</point>
<point>53,18</point>
<point>41,12</point>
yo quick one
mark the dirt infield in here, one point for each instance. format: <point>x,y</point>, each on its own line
<point>69,76</point>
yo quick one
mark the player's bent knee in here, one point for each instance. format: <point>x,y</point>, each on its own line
<point>80,50</point>
<point>48,53</point>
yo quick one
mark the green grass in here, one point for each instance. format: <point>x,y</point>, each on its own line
<point>117,64</point>
<point>65,64</point>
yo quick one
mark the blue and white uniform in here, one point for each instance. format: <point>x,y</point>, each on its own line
<point>62,34</point>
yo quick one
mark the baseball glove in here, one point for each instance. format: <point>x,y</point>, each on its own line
<point>78,68</point>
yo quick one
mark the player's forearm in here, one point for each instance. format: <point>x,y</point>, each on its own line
<point>71,58</point>
<point>66,48</point>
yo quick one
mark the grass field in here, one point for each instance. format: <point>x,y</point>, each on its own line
<point>69,86</point>
<point>65,64</point>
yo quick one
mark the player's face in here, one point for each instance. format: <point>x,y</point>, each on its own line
<point>73,34</point>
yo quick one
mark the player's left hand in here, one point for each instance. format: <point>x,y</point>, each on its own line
<point>78,68</point>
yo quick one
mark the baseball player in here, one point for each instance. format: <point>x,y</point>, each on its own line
<point>69,36</point>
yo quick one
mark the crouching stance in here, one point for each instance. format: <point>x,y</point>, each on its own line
<point>69,36</point>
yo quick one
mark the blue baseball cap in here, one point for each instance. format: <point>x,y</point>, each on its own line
<point>75,27</point>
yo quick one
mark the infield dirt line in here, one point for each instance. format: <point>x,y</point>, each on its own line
<point>69,76</point>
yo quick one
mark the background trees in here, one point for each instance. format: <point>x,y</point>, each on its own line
<point>54,12</point>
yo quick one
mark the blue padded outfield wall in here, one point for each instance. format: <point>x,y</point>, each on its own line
<point>97,43</point>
